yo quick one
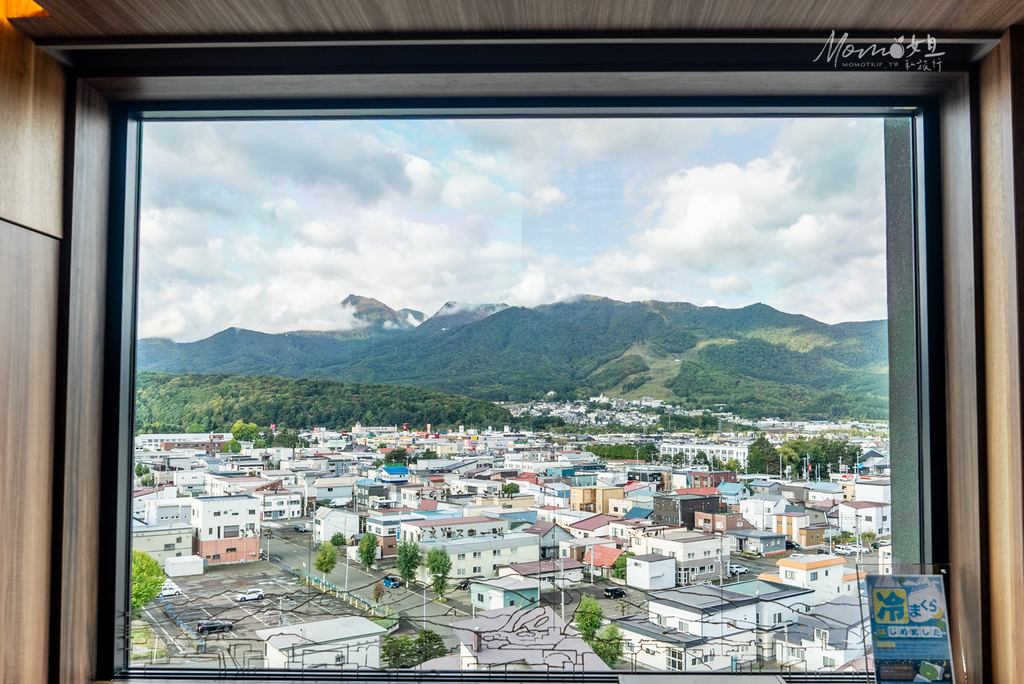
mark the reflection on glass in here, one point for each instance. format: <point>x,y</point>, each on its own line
<point>565,395</point>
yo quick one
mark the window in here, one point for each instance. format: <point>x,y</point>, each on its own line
<point>461,556</point>
<point>476,554</point>
<point>820,634</point>
<point>790,574</point>
<point>231,550</point>
<point>168,547</point>
<point>814,575</point>
<point>477,568</point>
<point>676,659</point>
<point>702,569</point>
<point>495,552</point>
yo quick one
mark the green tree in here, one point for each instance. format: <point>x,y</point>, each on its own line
<point>762,456</point>
<point>510,489</point>
<point>399,455</point>
<point>148,480</point>
<point>619,566</point>
<point>701,458</point>
<point>194,428</point>
<point>398,652</point>
<point>141,470</point>
<point>408,559</point>
<point>245,432</point>
<point>232,447</point>
<point>428,454</point>
<point>589,617</point>
<point>147,579</point>
<point>288,439</point>
<point>326,558</point>
<point>439,563</point>
<point>608,644</point>
<point>338,540</point>
<point>428,645</point>
<point>368,549</point>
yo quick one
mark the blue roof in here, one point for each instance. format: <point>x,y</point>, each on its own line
<point>637,512</point>
<point>396,470</point>
<point>731,488</point>
<point>762,483</point>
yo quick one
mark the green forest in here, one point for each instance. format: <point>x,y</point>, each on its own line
<point>182,403</point>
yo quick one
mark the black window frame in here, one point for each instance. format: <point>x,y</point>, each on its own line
<point>921,109</point>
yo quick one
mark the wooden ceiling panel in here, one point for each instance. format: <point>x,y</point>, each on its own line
<point>140,19</point>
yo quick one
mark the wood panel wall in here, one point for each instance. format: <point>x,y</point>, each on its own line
<point>31,131</point>
<point>1002,237</point>
<point>29,264</point>
<point>31,157</point>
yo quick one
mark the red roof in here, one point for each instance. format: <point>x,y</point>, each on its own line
<point>700,491</point>
<point>428,505</point>
<point>603,556</point>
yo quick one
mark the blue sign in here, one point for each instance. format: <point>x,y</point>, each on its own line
<point>909,628</point>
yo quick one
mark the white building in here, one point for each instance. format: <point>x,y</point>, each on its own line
<point>225,529</point>
<point>858,517</point>
<point>452,528</point>
<point>759,509</point>
<point>279,504</point>
<point>689,450</point>
<point>162,540</point>
<point>348,643</point>
<point>165,511</point>
<point>330,521</point>
<point>825,638</point>
<point>823,573</point>
<point>651,571</point>
<point>482,556</point>
<point>698,556</point>
<point>878,490</point>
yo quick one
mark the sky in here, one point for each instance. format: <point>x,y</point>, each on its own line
<point>270,225</point>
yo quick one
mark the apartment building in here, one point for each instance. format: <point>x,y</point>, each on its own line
<point>225,529</point>
<point>595,499</point>
<point>482,556</point>
<point>698,556</point>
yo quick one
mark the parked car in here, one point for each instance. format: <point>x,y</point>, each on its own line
<point>845,551</point>
<point>390,581</point>
<point>738,570</point>
<point>166,591</point>
<point>250,595</point>
<point>615,592</point>
<point>212,626</point>
<point>792,546</point>
<point>300,528</point>
<point>463,585</point>
<point>885,542</point>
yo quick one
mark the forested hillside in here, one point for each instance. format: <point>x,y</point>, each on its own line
<point>174,403</point>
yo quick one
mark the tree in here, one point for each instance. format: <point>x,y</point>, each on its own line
<point>439,563</point>
<point>398,651</point>
<point>338,540</point>
<point>510,489</point>
<point>619,566</point>
<point>378,591</point>
<point>326,558</point>
<point>399,455</point>
<point>589,617</point>
<point>368,549</point>
<point>608,644</point>
<point>194,428</point>
<point>429,645</point>
<point>408,559</point>
<point>762,456</point>
<point>404,652</point>
<point>233,447</point>
<point>141,470</point>
<point>428,454</point>
<point>147,579</point>
<point>287,439</point>
<point>245,432</point>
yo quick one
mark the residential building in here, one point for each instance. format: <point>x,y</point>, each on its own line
<point>552,574</point>
<point>688,451</point>
<point>599,560</point>
<point>504,592</point>
<point>452,528</point>
<point>509,639</point>
<point>765,486</point>
<point>278,504</point>
<point>328,522</point>
<point>594,526</point>
<point>822,573</point>
<point>826,637</point>
<point>698,556</point>
<point>733,493</point>
<point>595,499</point>
<point>162,540</point>
<point>550,534</point>
<point>347,643</point>
<point>651,571</point>
<point>759,510</point>
<point>225,529</point>
<point>482,556</point>
<point>860,517</point>
<point>678,509</point>
<point>757,541</point>
<point>878,490</point>
<point>719,523</point>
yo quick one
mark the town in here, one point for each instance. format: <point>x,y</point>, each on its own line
<point>495,549</point>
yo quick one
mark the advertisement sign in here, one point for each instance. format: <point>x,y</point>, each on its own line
<point>909,628</point>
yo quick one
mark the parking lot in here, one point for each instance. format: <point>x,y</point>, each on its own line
<point>211,596</point>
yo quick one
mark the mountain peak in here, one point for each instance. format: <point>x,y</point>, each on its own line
<point>376,313</point>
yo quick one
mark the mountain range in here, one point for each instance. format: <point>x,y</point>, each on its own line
<point>756,360</point>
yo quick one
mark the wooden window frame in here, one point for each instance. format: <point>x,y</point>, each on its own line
<point>106,101</point>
